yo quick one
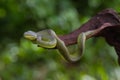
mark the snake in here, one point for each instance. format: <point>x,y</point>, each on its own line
<point>48,39</point>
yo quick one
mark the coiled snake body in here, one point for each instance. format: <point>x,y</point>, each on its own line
<point>48,39</point>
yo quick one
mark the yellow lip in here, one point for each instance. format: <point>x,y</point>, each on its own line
<point>30,37</point>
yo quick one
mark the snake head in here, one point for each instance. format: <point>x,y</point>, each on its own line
<point>44,38</point>
<point>30,35</point>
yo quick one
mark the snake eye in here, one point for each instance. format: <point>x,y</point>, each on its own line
<point>30,35</point>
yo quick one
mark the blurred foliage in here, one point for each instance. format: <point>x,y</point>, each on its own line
<point>22,60</point>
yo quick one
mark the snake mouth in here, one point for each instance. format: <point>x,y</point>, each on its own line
<point>30,37</point>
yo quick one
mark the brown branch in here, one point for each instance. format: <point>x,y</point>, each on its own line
<point>108,24</point>
<point>106,16</point>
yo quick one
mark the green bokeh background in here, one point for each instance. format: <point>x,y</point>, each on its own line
<point>22,60</point>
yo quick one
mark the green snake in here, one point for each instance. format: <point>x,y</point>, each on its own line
<point>48,39</point>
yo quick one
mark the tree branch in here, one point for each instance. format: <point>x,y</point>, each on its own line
<point>105,16</point>
<point>107,24</point>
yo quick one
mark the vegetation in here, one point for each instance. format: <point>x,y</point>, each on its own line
<point>22,60</point>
